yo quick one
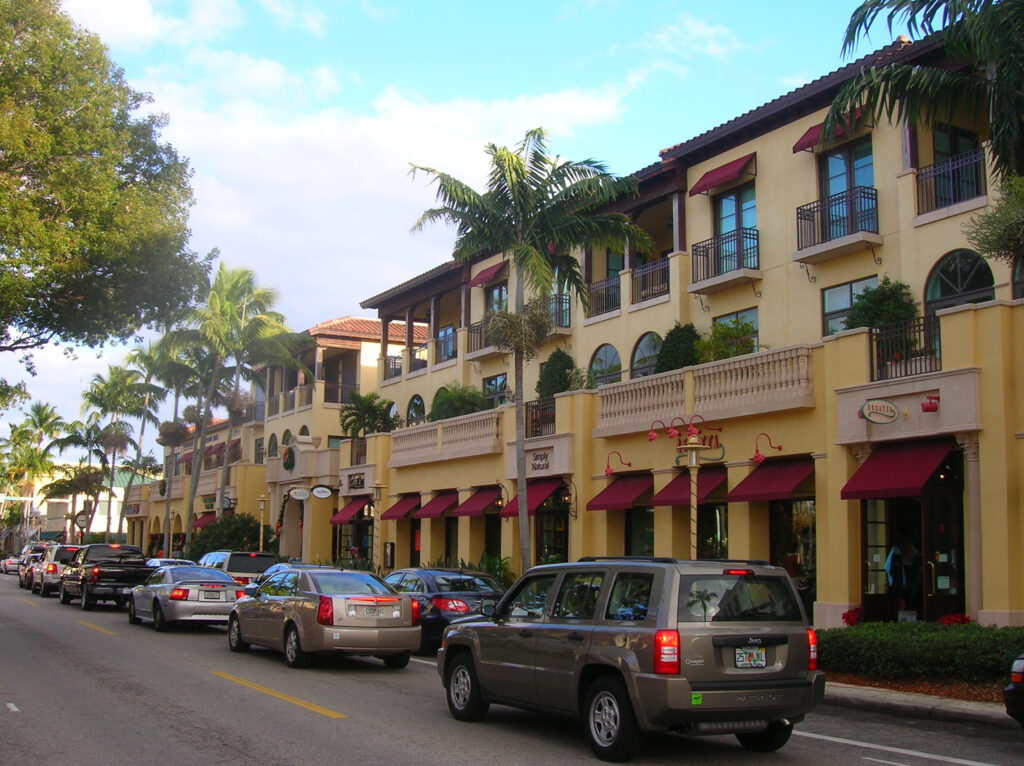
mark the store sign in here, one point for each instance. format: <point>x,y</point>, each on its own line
<point>298,493</point>
<point>540,460</point>
<point>357,481</point>
<point>879,411</point>
<point>321,491</point>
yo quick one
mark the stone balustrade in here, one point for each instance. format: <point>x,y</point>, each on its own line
<point>463,436</point>
<point>767,381</point>
<point>631,406</point>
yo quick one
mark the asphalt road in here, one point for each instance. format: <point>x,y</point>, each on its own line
<point>88,688</point>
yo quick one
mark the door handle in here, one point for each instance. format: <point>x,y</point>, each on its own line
<point>526,634</point>
<point>931,566</point>
<point>574,636</point>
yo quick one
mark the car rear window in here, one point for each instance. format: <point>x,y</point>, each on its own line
<point>199,573</point>
<point>247,563</point>
<point>465,583</point>
<point>338,583</point>
<point>115,553</point>
<point>737,598</point>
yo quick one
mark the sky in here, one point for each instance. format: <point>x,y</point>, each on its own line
<point>300,118</point>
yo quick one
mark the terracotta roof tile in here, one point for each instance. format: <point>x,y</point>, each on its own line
<point>367,329</point>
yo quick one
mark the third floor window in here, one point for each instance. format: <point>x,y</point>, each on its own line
<point>496,297</point>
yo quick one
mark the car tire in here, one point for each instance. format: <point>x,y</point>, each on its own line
<point>465,700</point>
<point>159,620</point>
<point>34,589</point>
<point>43,591</point>
<point>293,654</point>
<point>65,597</point>
<point>396,661</point>
<point>132,617</point>
<point>235,642</point>
<point>87,601</point>
<point>610,725</point>
<point>769,740</point>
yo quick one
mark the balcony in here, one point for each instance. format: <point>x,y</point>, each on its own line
<point>478,345</point>
<point>273,405</point>
<point>843,223</point>
<point>630,406</point>
<point>446,348</point>
<point>945,184</point>
<point>339,393</point>
<point>540,417</point>
<point>392,367</point>
<point>766,381</point>
<point>650,281</point>
<point>605,296</point>
<point>418,357</point>
<point>725,261</point>
<point>288,401</point>
<point>903,349</point>
<point>559,309</point>
<point>463,436</point>
<point>255,414</point>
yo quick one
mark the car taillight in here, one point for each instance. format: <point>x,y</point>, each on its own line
<point>51,568</point>
<point>94,574</point>
<point>325,612</point>
<point>242,580</point>
<point>415,612</point>
<point>666,652</point>
<point>739,572</point>
<point>1017,672</point>
<point>450,604</point>
<point>239,594</point>
<point>179,594</point>
<point>812,650</point>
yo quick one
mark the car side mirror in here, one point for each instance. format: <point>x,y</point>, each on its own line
<point>250,589</point>
<point>488,610</point>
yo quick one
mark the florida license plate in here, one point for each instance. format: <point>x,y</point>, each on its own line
<point>373,611</point>
<point>211,595</point>
<point>750,657</point>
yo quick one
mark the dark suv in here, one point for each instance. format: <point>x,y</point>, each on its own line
<point>634,645</point>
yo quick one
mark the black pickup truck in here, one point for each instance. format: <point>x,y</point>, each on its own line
<point>102,572</point>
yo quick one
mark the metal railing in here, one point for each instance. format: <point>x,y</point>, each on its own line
<point>339,393</point>
<point>288,403</point>
<point>840,215</point>
<point>902,349</point>
<point>558,309</point>
<point>273,405</point>
<point>304,396</point>
<point>256,413</point>
<point>476,339</point>
<point>719,255</point>
<point>418,357</point>
<point>605,296</point>
<point>946,183</point>
<point>392,367</point>
<point>446,348</point>
<point>540,417</point>
<point>650,280</point>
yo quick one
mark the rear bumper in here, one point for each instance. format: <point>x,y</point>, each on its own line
<point>363,640</point>
<point>184,611</point>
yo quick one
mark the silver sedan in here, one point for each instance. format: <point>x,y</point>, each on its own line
<point>183,594</point>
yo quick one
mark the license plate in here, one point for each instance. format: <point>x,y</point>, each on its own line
<point>750,657</point>
<point>373,611</point>
<point>211,595</point>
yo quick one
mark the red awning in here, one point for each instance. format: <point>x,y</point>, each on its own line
<point>437,506</point>
<point>897,469</point>
<point>401,508</point>
<point>537,491</point>
<point>204,519</point>
<point>486,275</point>
<point>622,493</point>
<point>773,480</point>
<point>677,491</point>
<point>813,134</point>
<point>476,503</point>
<point>214,449</point>
<point>728,172</point>
<point>346,514</point>
<point>186,458</point>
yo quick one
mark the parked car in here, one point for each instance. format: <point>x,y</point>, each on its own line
<point>170,562</point>
<point>244,566</point>
<point>445,595</point>
<point>47,571</point>
<point>1013,695</point>
<point>302,611</point>
<point>280,567</point>
<point>25,569</point>
<point>633,645</point>
<point>103,572</point>
<point>183,594</point>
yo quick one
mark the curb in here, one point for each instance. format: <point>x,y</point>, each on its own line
<point>917,705</point>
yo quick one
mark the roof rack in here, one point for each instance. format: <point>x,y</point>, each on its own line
<point>653,559</point>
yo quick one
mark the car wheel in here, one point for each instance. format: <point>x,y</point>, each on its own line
<point>610,724</point>
<point>65,597</point>
<point>235,642</point>
<point>43,590</point>
<point>159,621</point>
<point>132,617</point>
<point>769,740</point>
<point>87,602</point>
<point>396,661</point>
<point>293,654</point>
<point>465,701</point>
<point>34,589</point>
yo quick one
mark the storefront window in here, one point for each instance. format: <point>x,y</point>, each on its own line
<point>640,532</point>
<point>792,543</point>
<point>712,531</point>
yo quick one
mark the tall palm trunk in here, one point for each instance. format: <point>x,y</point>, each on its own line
<point>523,514</point>
<point>197,457</point>
<point>167,487</point>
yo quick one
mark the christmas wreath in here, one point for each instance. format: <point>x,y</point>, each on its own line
<point>163,487</point>
<point>288,459</point>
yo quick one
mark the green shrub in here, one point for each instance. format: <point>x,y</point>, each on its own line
<point>895,651</point>
<point>679,349</point>
<point>454,399</point>
<point>233,531</point>
<point>554,374</point>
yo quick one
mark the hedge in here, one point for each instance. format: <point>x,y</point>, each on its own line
<point>897,651</point>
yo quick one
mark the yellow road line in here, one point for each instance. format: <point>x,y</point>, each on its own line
<point>287,698</point>
<point>96,627</point>
<point>26,601</point>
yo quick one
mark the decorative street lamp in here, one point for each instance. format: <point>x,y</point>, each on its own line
<point>263,507</point>
<point>693,447</point>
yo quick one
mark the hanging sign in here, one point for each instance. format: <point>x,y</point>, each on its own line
<point>321,491</point>
<point>298,493</point>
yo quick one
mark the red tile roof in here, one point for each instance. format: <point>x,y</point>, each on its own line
<point>368,329</point>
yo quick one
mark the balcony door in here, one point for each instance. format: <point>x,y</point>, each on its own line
<point>961,178</point>
<point>843,170</point>
<point>735,211</point>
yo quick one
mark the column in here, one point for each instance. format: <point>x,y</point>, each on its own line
<point>972,523</point>
<point>316,529</point>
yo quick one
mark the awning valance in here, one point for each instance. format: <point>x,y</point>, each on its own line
<point>622,493</point>
<point>537,491</point>
<point>773,480</point>
<point>186,458</point>
<point>677,491</point>
<point>486,275</point>
<point>441,503</point>
<point>476,503</point>
<point>401,508</point>
<point>346,514</point>
<point>202,520</point>
<point>897,469</point>
<point>812,135</point>
<point>724,174</point>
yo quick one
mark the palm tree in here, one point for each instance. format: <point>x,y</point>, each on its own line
<point>981,37</point>
<point>366,414</point>
<point>146,363</point>
<point>537,209</point>
<point>74,481</point>
<point>85,436</point>
<point>44,422</point>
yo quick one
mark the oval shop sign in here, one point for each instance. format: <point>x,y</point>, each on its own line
<point>879,411</point>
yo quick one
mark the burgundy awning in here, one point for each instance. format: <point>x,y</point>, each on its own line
<point>773,480</point>
<point>677,491</point>
<point>186,458</point>
<point>486,275</point>
<point>537,491</point>
<point>204,519</point>
<point>622,493</point>
<point>401,508</point>
<point>437,506</point>
<point>476,503</point>
<point>812,135</point>
<point>897,469</point>
<point>728,172</point>
<point>346,514</point>
<point>214,449</point>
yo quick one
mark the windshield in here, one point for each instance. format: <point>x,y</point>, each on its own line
<point>464,582</point>
<point>118,553</point>
<point>338,583</point>
<point>731,598</point>
<point>248,563</point>
<point>199,573</point>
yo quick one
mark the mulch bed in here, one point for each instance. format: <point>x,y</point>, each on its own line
<point>960,690</point>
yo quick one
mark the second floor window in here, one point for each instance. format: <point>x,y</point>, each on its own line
<point>495,389</point>
<point>745,317</point>
<point>837,301</point>
<point>735,210</point>
<point>606,365</point>
<point>446,342</point>
<point>496,297</point>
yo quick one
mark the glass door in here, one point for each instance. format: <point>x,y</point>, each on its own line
<point>876,602</point>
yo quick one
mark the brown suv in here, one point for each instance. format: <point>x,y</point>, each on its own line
<point>633,645</point>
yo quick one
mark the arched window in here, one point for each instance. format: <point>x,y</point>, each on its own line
<point>645,354</point>
<point>272,446</point>
<point>417,411</point>
<point>304,431</point>
<point>1018,280</point>
<point>961,276</point>
<point>606,365</point>
<point>286,438</point>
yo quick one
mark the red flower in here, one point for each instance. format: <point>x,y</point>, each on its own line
<point>852,617</point>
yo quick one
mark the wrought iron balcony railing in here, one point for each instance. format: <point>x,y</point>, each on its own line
<point>956,180</point>
<point>727,252</point>
<point>838,216</point>
<point>605,296</point>
<point>650,281</point>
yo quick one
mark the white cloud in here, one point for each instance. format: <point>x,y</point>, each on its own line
<point>134,24</point>
<point>303,15</point>
<point>689,37</point>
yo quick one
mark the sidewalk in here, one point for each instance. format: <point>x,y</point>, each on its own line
<point>917,705</point>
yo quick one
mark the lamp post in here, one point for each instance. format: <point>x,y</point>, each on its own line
<point>263,507</point>
<point>693,448</point>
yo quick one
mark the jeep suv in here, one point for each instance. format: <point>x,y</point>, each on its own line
<point>638,645</point>
<point>244,566</point>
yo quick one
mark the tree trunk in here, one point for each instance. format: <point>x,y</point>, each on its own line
<point>525,555</point>
<point>167,484</point>
<point>197,458</point>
